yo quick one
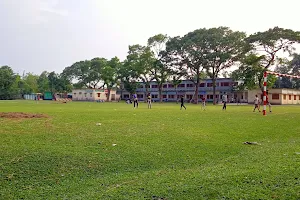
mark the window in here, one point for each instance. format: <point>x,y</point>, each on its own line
<point>154,96</point>
<point>209,84</point>
<point>154,86</point>
<point>295,97</point>
<point>189,85</point>
<point>290,97</point>
<point>284,97</point>
<point>147,86</point>
<point>165,85</point>
<point>140,96</point>
<point>141,86</point>
<point>224,84</point>
<point>189,96</point>
<point>210,96</point>
<point>80,93</point>
<point>170,85</point>
<point>74,94</point>
<point>202,85</point>
<point>181,85</point>
<point>98,94</point>
<point>275,96</point>
<point>84,94</point>
<point>164,96</point>
<point>200,96</point>
<point>126,96</point>
<point>91,94</point>
<point>217,96</point>
<point>171,96</point>
<point>179,96</point>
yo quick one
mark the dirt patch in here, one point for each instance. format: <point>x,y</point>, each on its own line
<point>21,115</point>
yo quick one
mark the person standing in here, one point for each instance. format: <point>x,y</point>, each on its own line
<point>203,103</point>
<point>149,101</point>
<point>182,102</point>
<point>256,103</point>
<point>224,99</point>
<point>135,101</point>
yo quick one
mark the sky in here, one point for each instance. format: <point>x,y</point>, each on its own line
<point>49,35</point>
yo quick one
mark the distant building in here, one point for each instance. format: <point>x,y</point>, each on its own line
<point>187,88</point>
<point>93,95</point>
<point>277,96</point>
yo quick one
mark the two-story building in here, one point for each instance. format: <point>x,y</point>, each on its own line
<point>187,88</point>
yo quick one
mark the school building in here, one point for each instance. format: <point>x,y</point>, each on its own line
<point>187,88</point>
<point>93,95</point>
<point>277,96</point>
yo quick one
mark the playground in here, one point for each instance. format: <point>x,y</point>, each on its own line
<point>89,150</point>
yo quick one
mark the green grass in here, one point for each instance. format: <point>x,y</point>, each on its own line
<point>159,153</point>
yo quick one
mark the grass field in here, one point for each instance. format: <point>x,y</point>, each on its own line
<point>162,153</point>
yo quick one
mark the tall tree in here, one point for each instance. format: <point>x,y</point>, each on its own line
<point>188,53</point>
<point>283,67</point>
<point>223,47</point>
<point>128,75</point>
<point>160,69</point>
<point>295,64</point>
<point>110,74</point>
<point>7,80</point>
<point>250,72</point>
<point>270,43</point>
<point>85,72</point>
<point>97,65</point>
<point>43,82</point>
<point>143,59</point>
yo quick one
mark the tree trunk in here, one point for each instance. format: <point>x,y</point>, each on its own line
<point>196,91</point>
<point>121,94</point>
<point>176,92</point>
<point>108,94</point>
<point>214,90</point>
<point>160,92</point>
<point>146,93</point>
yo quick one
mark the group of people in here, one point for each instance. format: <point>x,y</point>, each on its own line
<point>136,102</point>
<point>203,105</point>
<point>257,103</point>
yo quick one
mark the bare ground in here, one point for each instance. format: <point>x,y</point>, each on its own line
<point>21,115</point>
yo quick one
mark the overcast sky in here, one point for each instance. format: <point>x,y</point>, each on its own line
<point>38,35</point>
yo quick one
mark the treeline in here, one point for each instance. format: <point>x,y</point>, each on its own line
<point>203,53</point>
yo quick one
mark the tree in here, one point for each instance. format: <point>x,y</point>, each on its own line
<point>97,65</point>
<point>295,64</point>
<point>250,72</point>
<point>283,67</point>
<point>87,73</point>
<point>109,74</point>
<point>269,43</point>
<point>128,75</point>
<point>176,80</point>
<point>53,81</point>
<point>43,82</point>
<point>160,69</point>
<point>7,80</point>
<point>187,53</point>
<point>143,59</point>
<point>223,47</point>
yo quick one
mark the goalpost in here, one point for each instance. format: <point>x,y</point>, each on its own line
<point>265,86</point>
